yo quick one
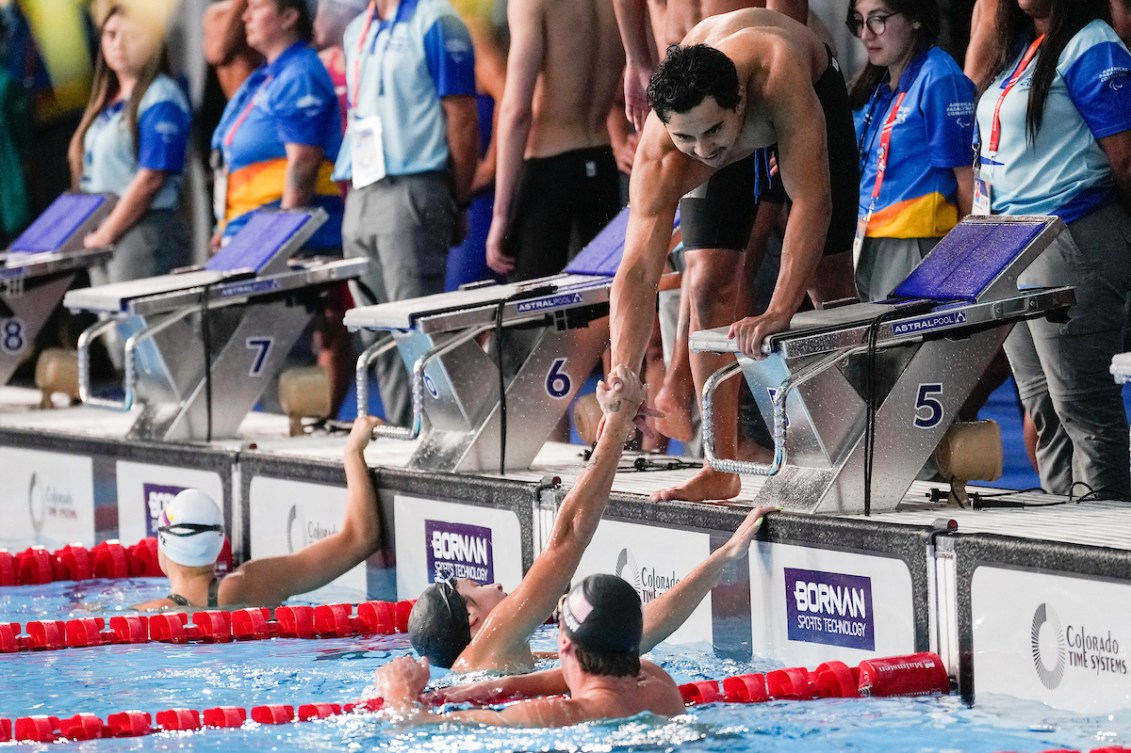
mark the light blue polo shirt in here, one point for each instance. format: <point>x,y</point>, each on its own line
<point>408,63</point>
<point>1064,172</point>
<point>110,160</point>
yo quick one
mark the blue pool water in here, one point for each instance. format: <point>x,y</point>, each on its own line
<point>156,676</point>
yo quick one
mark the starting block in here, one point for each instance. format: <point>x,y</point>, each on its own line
<point>904,366</point>
<point>202,344</point>
<point>40,266</point>
<point>458,408</point>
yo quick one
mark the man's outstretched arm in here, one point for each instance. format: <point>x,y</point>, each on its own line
<point>516,618</point>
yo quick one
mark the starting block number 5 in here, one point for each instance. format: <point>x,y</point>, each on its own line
<point>558,383</point>
<point>928,408</point>
<point>13,336</point>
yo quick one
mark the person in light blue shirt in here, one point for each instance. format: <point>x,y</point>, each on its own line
<point>1054,138</point>
<point>132,141</point>
<point>410,155</point>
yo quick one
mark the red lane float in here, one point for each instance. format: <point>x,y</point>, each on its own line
<point>129,724</point>
<point>175,720</point>
<point>108,559</point>
<point>225,716</point>
<point>82,727</point>
<point>916,674</point>
<point>7,573</point>
<point>273,714</point>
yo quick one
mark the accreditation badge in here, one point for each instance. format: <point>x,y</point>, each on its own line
<point>367,151</point>
<point>981,202</point>
<point>858,240</point>
<point>219,185</point>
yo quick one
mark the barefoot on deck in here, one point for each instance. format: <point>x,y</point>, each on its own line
<point>707,484</point>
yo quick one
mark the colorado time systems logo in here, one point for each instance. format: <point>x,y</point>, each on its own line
<point>1057,650</point>
<point>300,533</point>
<point>45,501</point>
<point>649,582</point>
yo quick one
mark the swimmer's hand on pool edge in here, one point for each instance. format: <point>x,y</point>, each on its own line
<point>739,543</point>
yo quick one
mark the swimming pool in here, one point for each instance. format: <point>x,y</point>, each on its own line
<point>155,676</point>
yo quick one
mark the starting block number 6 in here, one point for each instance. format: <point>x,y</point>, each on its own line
<point>928,408</point>
<point>558,383</point>
<point>13,337</point>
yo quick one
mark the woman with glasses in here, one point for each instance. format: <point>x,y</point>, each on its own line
<point>1054,138</point>
<point>914,121</point>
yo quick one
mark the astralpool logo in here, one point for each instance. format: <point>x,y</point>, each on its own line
<point>156,497</point>
<point>829,608</point>
<point>457,550</point>
<point>301,533</point>
<point>1057,650</point>
<point>650,582</point>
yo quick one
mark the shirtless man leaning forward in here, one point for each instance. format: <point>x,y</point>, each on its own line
<point>740,82</point>
<point>556,180</point>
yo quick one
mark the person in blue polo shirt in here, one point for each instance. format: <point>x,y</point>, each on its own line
<point>280,133</point>
<point>131,141</point>
<point>912,104</point>
<point>412,141</point>
<point>1054,138</point>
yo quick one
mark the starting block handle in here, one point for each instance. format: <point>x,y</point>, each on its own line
<point>89,335</point>
<point>729,465</point>
<point>362,377</point>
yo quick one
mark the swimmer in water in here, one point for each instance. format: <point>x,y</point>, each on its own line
<point>190,535</point>
<point>470,626</point>
<point>599,646</point>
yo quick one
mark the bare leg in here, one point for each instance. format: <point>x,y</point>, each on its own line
<point>654,374</point>
<point>833,280</point>
<point>713,290</point>
<point>674,398</point>
<point>332,342</point>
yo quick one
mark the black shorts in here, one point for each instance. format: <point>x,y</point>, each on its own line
<point>720,213</point>
<point>560,204</point>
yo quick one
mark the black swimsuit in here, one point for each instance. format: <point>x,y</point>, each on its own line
<point>213,594</point>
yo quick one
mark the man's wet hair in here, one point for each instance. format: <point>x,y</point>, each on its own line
<point>602,618</point>
<point>688,75</point>
<point>608,663</point>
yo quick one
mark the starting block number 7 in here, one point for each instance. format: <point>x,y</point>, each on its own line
<point>261,346</point>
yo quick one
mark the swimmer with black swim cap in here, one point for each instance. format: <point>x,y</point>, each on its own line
<point>599,646</point>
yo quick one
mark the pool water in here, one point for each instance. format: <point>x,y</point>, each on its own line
<point>156,676</point>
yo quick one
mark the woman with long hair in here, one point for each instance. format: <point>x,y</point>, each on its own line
<point>1054,138</point>
<point>913,109</point>
<point>131,141</point>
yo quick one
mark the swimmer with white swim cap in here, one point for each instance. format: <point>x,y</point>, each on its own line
<point>190,536</point>
<point>470,626</point>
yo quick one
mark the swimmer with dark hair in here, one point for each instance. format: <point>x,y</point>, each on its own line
<point>190,535</point>
<point>599,645</point>
<point>470,626</point>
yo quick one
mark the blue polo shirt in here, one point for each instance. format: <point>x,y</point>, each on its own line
<point>290,101</point>
<point>408,63</point>
<point>931,137</point>
<point>1064,172</point>
<point>110,160</point>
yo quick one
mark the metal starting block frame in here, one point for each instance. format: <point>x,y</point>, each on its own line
<point>40,266</point>
<point>202,344</point>
<point>561,325</point>
<point>933,339</point>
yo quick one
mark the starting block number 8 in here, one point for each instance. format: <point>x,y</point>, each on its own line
<point>13,338</point>
<point>558,383</point>
<point>928,408</point>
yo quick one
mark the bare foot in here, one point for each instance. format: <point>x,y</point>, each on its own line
<point>676,421</point>
<point>705,485</point>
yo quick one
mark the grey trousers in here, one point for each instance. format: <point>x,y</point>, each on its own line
<point>1062,369</point>
<point>403,225</point>
<point>156,245</point>
<point>885,262</point>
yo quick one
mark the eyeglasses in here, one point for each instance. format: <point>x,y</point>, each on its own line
<point>876,24</point>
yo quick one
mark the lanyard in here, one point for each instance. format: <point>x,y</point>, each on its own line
<point>370,12</point>
<point>231,135</point>
<point>995,127</point>
<point>885,145</point>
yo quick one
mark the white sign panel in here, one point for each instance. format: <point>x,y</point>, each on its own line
<point>815,605</point>
<point>437,539</point>
<point>652,560</point>
<point>1056,639</point>
<point>47,498</point>
<point>143,490</point>
<point>286,516</point>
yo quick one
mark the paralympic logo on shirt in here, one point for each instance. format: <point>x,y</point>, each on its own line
<point>1115,77</point>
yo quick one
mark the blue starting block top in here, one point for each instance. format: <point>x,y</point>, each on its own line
<point>58,223</point>
<point>965,262</point>
<point>258,241</point>
<point>601,257</point>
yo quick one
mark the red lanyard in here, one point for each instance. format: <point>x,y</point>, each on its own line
<point>243,115</point>
<point>372,11</point>
<point>995,128</point>
<point>885,145</point>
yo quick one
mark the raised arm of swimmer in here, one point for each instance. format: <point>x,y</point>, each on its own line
<point>501,641</point>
